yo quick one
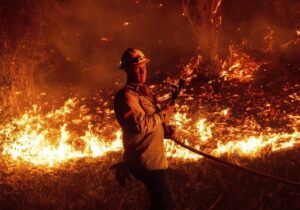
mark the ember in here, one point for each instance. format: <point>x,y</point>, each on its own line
<point>241,101</point>
<point>40,140</point>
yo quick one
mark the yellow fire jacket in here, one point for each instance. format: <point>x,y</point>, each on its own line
<point>141,121</point>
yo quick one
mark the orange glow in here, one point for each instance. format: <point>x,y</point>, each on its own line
<point>38,138</point>
<point>239,66</point>
<point>34,140</point>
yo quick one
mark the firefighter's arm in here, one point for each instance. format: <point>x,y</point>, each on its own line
<point>136,118</point>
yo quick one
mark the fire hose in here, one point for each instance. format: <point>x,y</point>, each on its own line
<point>174,96</point>
<point>242,168</point>
<point>122,172</point>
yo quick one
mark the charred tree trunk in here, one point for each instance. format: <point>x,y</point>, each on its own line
<point>220,23</point>
<point>206,18</point>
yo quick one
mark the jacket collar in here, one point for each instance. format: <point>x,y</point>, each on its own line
<point>135,86</point>
<point>141,89</point>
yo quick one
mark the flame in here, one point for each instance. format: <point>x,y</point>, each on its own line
<point>253,146</point>
<point>204,130</point>
<point>239,66</point>
<point>250,146</point>
<point>30,138</point>
<point>175,151</point>
<point>225,112</point>
<point>49,139</point>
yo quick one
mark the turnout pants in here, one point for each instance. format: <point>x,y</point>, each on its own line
<point>159,188</point>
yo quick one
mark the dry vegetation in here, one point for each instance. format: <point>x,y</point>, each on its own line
<point>88,184</point>
<point>265,103</point>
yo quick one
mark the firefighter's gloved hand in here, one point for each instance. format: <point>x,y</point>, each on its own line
<point>121,173</point>
<point>168,111</point>
<point>170,131</point>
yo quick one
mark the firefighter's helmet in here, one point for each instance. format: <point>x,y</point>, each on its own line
<point>132,56</point>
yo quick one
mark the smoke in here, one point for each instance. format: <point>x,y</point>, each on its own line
<point>267,31</point>
<point>253,20</point>
<point>87,39</point>
<point>76,45</point>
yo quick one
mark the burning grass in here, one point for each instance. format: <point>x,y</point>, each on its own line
<point>58,158</point>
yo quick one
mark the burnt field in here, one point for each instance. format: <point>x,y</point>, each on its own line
<point>88,184</point>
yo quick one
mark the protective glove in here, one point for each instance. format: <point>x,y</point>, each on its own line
<point>169,131</point>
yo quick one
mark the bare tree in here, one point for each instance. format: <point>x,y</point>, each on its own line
<point>205,16</point>
<point>24,37</point>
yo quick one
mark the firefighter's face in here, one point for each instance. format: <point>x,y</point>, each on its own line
<point>137,73</point>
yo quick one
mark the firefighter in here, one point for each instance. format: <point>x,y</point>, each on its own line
<point>141,120</point>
